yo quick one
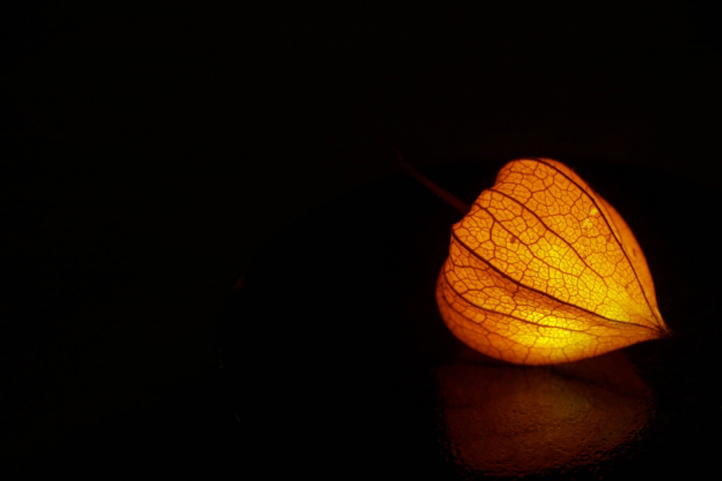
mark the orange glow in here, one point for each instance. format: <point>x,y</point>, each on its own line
<point>542,270</point>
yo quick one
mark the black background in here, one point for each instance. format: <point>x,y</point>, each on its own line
<point>150,153</point>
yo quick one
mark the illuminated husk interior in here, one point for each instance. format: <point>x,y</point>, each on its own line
<point>542,270</point>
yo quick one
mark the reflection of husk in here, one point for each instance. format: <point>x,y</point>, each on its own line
<point>509,420</point>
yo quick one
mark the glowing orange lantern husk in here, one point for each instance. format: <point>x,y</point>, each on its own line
<point>542,270</point>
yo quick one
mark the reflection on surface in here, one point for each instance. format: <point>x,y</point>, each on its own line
<point>508,420</point>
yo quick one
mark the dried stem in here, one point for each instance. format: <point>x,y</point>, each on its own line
<point>445,195</point>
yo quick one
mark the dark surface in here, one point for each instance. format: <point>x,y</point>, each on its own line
<point>148,155</point>
<point>349,307</point>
